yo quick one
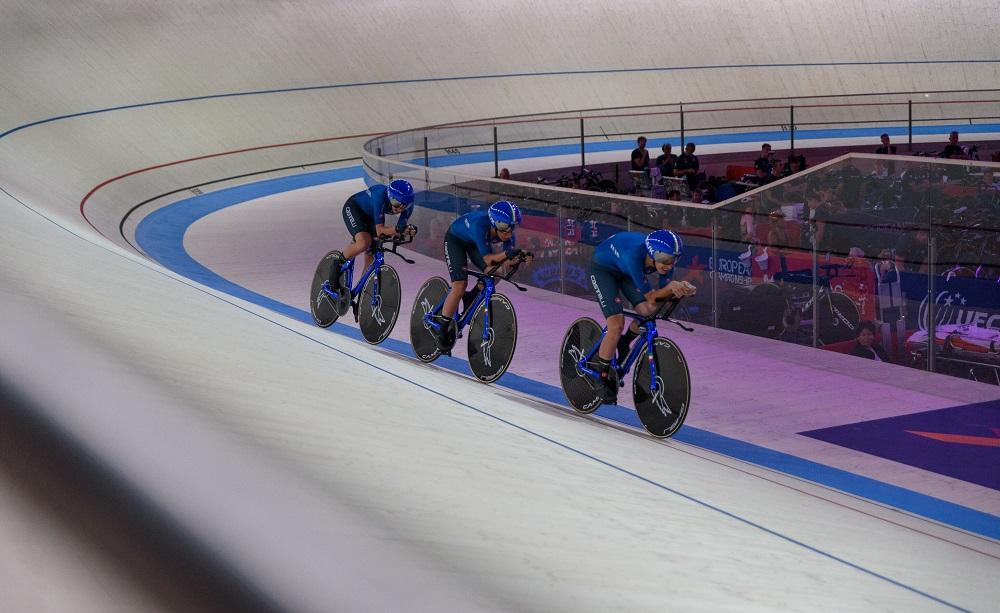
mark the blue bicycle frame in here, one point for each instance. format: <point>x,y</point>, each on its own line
<point>484,295</point>
<point>348,267</point>
<point>646,344</point>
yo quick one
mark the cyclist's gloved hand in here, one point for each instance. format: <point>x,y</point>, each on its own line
<point>680,289</point>
<point>410,231</point>
<point>519,255</point>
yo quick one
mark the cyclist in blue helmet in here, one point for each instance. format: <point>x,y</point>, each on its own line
<point>619,266</point>
<point>471,237</point>
<point>364,215</point>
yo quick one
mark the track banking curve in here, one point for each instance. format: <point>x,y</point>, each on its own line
<point>563,486</point>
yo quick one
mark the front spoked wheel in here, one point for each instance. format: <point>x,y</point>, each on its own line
<point>422,337</point>
<point>324,308</point>
<point>378,310</point>
<point>491,349</point>
<point>662,411</point>
<point>580,389</point>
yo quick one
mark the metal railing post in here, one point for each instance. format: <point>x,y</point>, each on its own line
<point>815,290</point>
<point>791,125</point>
<point>562,250</point>
<point>715,269</point>
<point>496,154</point>
<point>909,125</point>
<point>931,298</point>
<point>682,126</point>
<point>583,146</point>
<point>427,157</point>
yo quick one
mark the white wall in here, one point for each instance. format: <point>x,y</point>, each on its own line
<point>62,58</point>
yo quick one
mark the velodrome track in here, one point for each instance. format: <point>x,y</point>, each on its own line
<point>330,475</point>
<point>535,508</point>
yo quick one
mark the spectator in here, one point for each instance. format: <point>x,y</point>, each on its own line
<point>666,161</point>
<point>816,213</point>
<point>764,165</point>
<point>687,166</point>
<point>777,241</point>
<point>747,222</point>
<point>794,164</point>
<point>886,148</point>
<point>640,156</point>
<point>763,176</point>
<point>777,234</point>
<point>911,251</point>
<point>989,181</point>
<point>953,150</point>
<point>865,345</point>
<point>504,174</point>
<point>699,195</point>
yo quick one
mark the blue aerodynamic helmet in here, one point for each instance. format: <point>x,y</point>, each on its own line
<point>504,215</point>
<point>400,191</point>
<point>664,246</point>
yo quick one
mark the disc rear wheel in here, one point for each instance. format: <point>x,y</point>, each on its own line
<point>580,389</point>
<point>429,298</point>
<point>324,308</point>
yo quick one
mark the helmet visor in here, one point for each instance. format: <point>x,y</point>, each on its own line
<point>396,205</point>
<point>505,227</point>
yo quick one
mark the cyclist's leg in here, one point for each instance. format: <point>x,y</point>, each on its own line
<point>361,228</point>
<point>638,300</point>
<point>455,258</point>
<point>606,285</point>
<point>470,296</point>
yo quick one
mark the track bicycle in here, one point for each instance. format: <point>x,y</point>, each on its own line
<point>491,317</point>
<point>661,385</point>
<point>376,297</point>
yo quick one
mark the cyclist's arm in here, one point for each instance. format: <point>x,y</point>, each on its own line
<point>383,230</point>
<point>404,218</point>
<point>674,289</point>
<point>495,258</point>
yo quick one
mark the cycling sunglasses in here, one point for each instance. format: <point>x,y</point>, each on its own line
<point>664,258</point>
<point>505,227</point>
<point>396,204</point>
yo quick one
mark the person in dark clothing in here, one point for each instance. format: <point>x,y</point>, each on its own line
<point>886,148</point>
<point>640,156</point>
<point>865,345</point>
<point>764,165</point>
<point>687,166</point>
<point>666,161</point>
<point>953,150</point>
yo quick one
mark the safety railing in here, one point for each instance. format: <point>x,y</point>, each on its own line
<point>911,244</point>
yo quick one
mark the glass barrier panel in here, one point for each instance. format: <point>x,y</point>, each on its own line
<point>904,246</point>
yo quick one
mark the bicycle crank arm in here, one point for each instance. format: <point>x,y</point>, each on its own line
<point>329,292</point>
